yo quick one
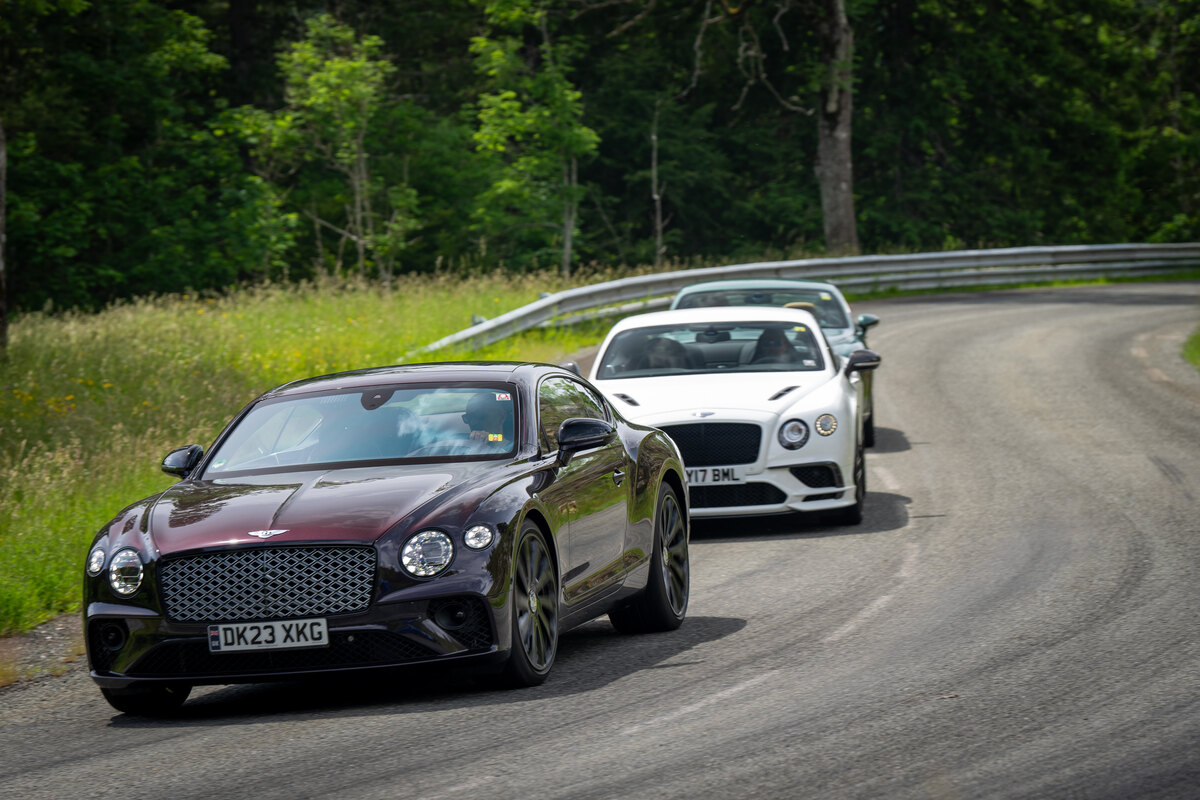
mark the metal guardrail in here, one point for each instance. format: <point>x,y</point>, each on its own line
<point>959,268</point>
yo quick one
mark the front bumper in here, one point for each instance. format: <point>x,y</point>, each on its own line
<point>129,645</point>
<point>808,486</point>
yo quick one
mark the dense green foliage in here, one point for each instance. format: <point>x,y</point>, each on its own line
<point>156,145</point>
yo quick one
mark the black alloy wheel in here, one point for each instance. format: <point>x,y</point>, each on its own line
<point>160,700</point>
<point>663,604</point>
<point>853,515</point>
<point>534,610</point>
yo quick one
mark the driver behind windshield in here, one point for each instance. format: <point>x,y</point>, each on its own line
<point>489,415</point>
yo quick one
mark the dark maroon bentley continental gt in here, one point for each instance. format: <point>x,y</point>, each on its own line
<point>465,514</point>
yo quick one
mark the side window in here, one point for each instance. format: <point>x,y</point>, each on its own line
<point>560,399</point>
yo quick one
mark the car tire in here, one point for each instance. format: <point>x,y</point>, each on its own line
<point>162,700</point>
<point>662,605</point>
<point>853,515</point>
<point>534,611</point>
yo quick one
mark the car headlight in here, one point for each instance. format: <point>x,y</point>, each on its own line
<point>826,424</point>
<point>125,573</point>
<point>477,537</point>
<point>95,561</point>
<point>427,553</point>
<point>793,434</point>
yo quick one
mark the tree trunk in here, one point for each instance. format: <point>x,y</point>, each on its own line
<point>834,167</point>
<point>655,191</point>
<point>570,209</point>
<point>3,219</point>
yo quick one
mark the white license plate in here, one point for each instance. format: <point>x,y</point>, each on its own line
<point>707,476</point>
<point>231,638</point>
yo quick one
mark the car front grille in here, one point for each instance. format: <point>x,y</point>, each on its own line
<point>741,494</point>
<point>714,444</point>
<point>268,583</point>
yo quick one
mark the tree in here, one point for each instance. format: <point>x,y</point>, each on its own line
<point>530,120</point>
<point>835,167</point>
<point>15,27</point>
<point>335,87</point>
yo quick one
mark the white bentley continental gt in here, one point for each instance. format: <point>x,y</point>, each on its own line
<point>768,419</point>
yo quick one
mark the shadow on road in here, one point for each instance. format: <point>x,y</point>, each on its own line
<point>889,440</point>
<point>589,658</point>
<point>884,512</point>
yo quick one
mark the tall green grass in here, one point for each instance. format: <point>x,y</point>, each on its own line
<point>89,403</point>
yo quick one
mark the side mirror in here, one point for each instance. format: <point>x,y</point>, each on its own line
<point>571,366</point>
<point>863,360</point>
<point>867,321</point>
<point>577,434</point>
<point>181,461</point>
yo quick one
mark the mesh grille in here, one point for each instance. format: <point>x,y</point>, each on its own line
<point>742,494</point>
<point>268,583</point>
<point>714,444</point>
<point>817,477</point>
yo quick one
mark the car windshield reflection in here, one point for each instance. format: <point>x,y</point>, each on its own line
<point>426,423</point>
<point>725,347</point>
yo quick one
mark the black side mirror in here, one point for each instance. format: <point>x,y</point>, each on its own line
<point>182,460</point>
<point>577,434</point>
<point>571,366</point>
<point>863,360</point>
<point>866,321</point>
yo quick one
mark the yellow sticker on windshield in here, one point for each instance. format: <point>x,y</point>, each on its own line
<point>495,437</point>
<point>826,296</point>
<point>800,329</point>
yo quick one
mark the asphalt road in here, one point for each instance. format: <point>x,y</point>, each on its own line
<point>1017,617</point>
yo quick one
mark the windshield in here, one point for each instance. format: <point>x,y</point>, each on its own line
<point>452,423</point>
<point>823,304</point>
<point>723,347</point>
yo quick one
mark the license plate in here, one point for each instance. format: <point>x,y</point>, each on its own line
<point>231,638</point>
<point>707,476</point>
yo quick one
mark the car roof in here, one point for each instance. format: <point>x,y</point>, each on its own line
<point>756,283</point>
<point>699,316</point>
<point>433,372</point>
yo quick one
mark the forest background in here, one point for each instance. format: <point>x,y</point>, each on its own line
<point>200,200</point>
<point>158,146</point>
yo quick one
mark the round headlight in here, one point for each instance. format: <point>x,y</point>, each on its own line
<point>793,434</point>
<point>125,573</point>
<point>478,537</point>
<point>95,562</point>
<point>427,553</point>
<point>826,424</point>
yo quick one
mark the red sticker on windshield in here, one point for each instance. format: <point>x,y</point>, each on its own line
<point>503,396</point>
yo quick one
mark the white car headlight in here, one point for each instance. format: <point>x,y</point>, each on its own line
<point>826,424</point>
<point>477,537</point>
<point>95,561</point>
<point>793,434</point>
<point>125,573</point>
<point>427,553</point>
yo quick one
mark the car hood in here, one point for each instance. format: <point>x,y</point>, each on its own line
<point>351,505</point>
<point>717,392</point>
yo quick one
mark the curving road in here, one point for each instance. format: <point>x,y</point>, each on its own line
<point>1017,617</point>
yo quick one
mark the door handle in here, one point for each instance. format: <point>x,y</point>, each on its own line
<point>618,476</point>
